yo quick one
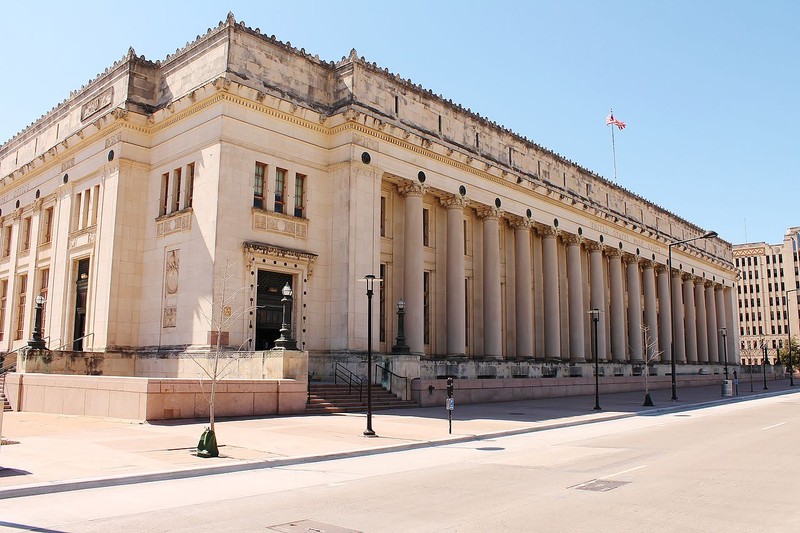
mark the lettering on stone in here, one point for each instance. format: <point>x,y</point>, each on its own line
<point>97,104</point>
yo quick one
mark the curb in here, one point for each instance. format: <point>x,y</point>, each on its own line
<point>165,475</point>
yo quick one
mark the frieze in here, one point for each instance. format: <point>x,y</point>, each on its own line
<point>170,317</point>
<point>98,103</point>
<point>84,237</point>
<point>277,223</point>
<point>69,163</point>
<point>174,224</point>
<point>113,139</point>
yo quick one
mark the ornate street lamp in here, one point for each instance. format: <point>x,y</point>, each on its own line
<point>709,235</point>
<point>400,345</point>
<point>286,340</point>
<point>724,333</point>
<point>370,280</point>
<point>37,342</point>
<point>595,313</point>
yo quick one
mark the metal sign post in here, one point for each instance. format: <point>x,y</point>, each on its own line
<point>450,405</point>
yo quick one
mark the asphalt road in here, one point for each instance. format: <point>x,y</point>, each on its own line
<point>729,468</point>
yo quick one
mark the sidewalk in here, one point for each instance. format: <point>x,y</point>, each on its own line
<point>58,452</point>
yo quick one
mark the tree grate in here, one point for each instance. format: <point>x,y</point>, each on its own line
<point>600,485</point>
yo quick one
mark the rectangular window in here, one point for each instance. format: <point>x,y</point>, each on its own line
<point>280,184</point>
<point>164,200</point>
<point>7,241</point>
<point>95,202</point>
<point>25,241</point>
<point>383,216</point>
<point>258,185</point>
<point>47,225</point>
<point>23,289</point>
<point>176,190</point>
<point>85,210</point>
<point>189,185</point>
<point>426,227</point>
<point>426,307</point>
<point>299,195</point>
<point>3,298</point>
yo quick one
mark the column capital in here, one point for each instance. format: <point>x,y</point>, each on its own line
<point>685,276</point>
<point>647,263</point>
<point>719,287</point>
<point>453,202</point>
<point>594,246</point>
<point>629,258</point>
<point>707,283</point>
<point>410,188</point>
<point>487,212</point>
<point>660,269</point>
<point>570,239</point>
<point>546,231</point>
<point>520,223</point>
<point>613,252</point>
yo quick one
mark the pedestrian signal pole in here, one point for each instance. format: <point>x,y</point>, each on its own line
<point>450,405</point>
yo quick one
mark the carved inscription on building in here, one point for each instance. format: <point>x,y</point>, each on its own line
<point>97,104</point>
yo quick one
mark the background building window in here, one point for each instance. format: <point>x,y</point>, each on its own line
<point>25,241</point>
<point>44,283</point>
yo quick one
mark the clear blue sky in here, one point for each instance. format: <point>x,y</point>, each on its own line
<point>709,88</point>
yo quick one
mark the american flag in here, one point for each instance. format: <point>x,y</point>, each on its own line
<point>611,121</point>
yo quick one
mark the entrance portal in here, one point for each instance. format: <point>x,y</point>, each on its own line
<point>269,310</point>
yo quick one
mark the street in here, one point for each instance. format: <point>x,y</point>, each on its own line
<point>730,467</point>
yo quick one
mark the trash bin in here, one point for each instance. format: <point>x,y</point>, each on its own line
<point>727,388</point>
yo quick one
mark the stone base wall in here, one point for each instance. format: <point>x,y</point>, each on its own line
<point>152,398</point>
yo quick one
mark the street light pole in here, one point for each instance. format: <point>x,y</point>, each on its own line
<point>286,341</point>
<point>595,312</point>
<point>789,334</point>
<point>764,362</point>
<point>708,235</point>
<point>370,279</point>
<point>400,345</point>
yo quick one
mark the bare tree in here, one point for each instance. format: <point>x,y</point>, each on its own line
<point>651,353</point>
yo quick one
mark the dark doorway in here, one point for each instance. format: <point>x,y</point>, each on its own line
<point>81,289</point>
<point>269,310</point>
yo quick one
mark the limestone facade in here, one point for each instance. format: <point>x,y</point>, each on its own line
<point>768,296</point>
<point>163,205</point>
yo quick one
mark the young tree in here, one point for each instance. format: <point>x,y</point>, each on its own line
<point>219,362</point>
<point>783,354</point>
<point>651,354</point>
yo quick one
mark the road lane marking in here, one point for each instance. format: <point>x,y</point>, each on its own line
<point>624,471</point>
<point>774,425</point>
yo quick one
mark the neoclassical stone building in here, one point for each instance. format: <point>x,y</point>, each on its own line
<point>241,164</point>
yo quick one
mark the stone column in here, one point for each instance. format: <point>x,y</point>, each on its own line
<point>650,310</point>
<point>413,266</point>
<point>679,338</point>
<point>634,309</point>
<point>552,318</point>
<point>492,308</point>
<point>664,314</point>
<point>577,314</point>
<point>701,319</point>
<point>711,321</point>
<point>619,344</point>
<point>456,291</point>
<point>734,354</point>
<point>690,318</point>
<point>719,295</point>
<point>523,290</point>
<point>597,295</point>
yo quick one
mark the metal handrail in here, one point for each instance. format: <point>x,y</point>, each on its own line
<point>73,341</point>
<point>352,380</point>
<point>393,375</point>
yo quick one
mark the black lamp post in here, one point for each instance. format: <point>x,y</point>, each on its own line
<point>400,345</point>
<point>764,362</point>
<point>285,340</point>
<point>709,235</point>
<point>370,279</point>
<point>789,334</point>
<point>37,342</point>
<point>724,332</point>
<point>595,312</point>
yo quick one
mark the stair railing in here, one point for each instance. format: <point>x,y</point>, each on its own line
<point>390,377</point>
<point>341,372</point>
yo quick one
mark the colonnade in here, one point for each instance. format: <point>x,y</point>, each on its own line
<point>637,316</point>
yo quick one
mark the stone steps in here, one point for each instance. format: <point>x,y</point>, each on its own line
<point>333,398</point>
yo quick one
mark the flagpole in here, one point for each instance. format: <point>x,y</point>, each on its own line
<point>613,150</point>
